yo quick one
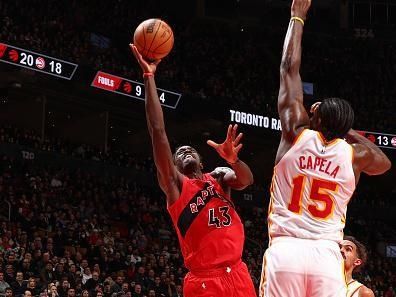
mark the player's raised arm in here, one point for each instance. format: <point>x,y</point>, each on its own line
<point>168,177</point>
<point>241,176</point>
<point>368,158</point>
<point>291,110</point>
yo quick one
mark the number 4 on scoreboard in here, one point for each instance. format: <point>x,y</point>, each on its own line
<point>162,97</point>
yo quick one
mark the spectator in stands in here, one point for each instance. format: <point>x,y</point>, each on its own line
<point>26,268</point>
<point>92,282</point>
<point>32,287</point>
<point>117,284</point>
<point>71,292</point>
<point>9,292</point>
<point>62,291</point>
<point>53,291</point>
<point>28,293</point>
<point>137,291</point>
<point>9,275</point>
<point>47,274</point>
<point>19,285</point>
<point>3,284</point>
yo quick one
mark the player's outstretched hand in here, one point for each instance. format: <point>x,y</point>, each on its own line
<point>230,148</point>
<point>147,67</point>
<point>299,8</point>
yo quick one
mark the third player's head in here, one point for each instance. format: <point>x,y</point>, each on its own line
<point>354,253</point>
<point>187,160</point>
<point>333,117</point>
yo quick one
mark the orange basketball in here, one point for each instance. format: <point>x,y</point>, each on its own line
<point>154,39</point>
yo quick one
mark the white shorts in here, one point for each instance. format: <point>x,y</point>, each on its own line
<point>294,267</point>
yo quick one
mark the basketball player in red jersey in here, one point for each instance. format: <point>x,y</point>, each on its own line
<point>210,231</point>
<point>355,255</point>
<point>317,167</point>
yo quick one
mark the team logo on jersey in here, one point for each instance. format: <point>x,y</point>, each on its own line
<point>194,207</point>
<point>200,200</point>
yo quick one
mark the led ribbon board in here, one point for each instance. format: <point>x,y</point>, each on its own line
<point>130,88</point>
<point>35,61</point>
<point>383,140</point>
<point>380,139</point>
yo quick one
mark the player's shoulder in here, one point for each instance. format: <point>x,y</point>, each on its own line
<point>366,292</point>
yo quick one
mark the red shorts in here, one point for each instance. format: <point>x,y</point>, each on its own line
<point>233,281</point>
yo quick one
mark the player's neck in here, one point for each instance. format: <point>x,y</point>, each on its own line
<point>196,175</point>
<point>348,276</point>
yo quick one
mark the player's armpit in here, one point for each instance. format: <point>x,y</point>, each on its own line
<point>170,186</point>
<point>169,177</point>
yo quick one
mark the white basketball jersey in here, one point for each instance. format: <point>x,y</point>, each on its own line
<point>311,187</point>
<point>353,288</point>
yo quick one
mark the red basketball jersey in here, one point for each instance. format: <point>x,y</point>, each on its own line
<point>210,232</point>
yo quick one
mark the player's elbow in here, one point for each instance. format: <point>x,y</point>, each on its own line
<point>384,166</point>
<point>380,168</point>
<point>251,181</point>
<point>289,66</point>
<point>243,183</point>
<point>387,165</point>
<point>157,128</point>
<point>248,181</point>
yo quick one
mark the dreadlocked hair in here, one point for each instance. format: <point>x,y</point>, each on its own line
<point>336,118</point>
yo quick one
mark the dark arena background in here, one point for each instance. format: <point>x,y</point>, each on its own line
<point>80,203</point>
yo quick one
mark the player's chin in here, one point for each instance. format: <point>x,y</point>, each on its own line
<point>190,165</point>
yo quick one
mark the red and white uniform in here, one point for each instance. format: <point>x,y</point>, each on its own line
<point>354,288</point>
<point>311,187</point>
<point>211,238</point>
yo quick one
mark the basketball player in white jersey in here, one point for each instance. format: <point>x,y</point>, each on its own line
<point>315,175</point>
<point>355,256</point>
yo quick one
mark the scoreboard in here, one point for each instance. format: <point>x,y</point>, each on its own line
<point>63,69</point>
<point>131,88</point>
<point>35,61</point>
<point>383,140</point>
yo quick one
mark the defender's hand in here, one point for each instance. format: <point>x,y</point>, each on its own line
<point>230,148</point>
<point>147,67</point>
<point>299,8</point>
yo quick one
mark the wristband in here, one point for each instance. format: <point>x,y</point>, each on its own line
<point>295,18</point>
<point>147,74</point>
<point>236,161</point>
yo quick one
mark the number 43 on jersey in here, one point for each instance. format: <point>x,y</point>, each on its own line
<point>219,217</point>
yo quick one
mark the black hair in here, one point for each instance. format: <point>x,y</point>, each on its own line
<point>361,251</point>
<point>336,118</point>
